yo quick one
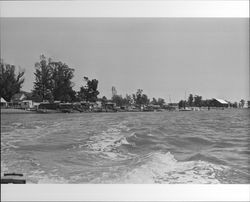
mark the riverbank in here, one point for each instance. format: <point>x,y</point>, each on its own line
<point>16,111</point>
<point>23,111</point>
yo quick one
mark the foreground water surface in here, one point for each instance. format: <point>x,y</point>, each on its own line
<point>148,147</point>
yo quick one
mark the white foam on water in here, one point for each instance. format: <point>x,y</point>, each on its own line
<point>108,141</point>
<point>164,168</point>
<point>41,177</point>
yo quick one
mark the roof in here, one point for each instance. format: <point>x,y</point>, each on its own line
<point>3,100</point>
<point>221,101</point>
<point>19,96</point>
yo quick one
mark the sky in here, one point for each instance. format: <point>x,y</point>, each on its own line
<point>166,57</point>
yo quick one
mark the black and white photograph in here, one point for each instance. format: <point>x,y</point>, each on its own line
<point>124,100</point>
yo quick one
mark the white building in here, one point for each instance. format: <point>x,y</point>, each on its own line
<point>3,103</point>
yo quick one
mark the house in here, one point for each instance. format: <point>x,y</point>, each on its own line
<point>3,103</point>
<point>215,102</point>
<point>27,104</point>
<point>21,100</point>
<point>19,97</point>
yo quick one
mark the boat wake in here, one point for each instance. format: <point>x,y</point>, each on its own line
<point>152,167</point>
<point>164,168</point>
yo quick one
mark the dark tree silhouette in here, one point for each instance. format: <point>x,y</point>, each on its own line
<point>10,82</point>
<point>43,85</point>
<point>62,84</point>
<point>89,92</point>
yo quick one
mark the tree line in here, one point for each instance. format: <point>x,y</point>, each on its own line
<point>53,82</point>
<point>138,98</point>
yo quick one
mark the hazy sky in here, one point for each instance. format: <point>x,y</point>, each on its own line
<point>165,57</point>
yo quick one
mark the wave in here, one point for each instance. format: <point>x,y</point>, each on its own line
<point>198,140</point>
<point>108,142</point>
<point>207,158</point>
<point>164,168</point>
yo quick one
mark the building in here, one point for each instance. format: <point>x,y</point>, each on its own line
<point>19,97</point>
<point>21,100</point>
<point>3,103</point>
<point>27,104</point>
<point>215,102</point>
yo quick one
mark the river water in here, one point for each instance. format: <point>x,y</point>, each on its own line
<point>147,147</point>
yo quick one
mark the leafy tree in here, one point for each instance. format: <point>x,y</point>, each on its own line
<point>104,100</point>
<point>128,100</point>
<point>43,85</point>
<point>197,100</point>
<point>118,100</point>
<point>10,83</point>
<point>182,104</point>
<point>144,99</point>
<point>161,102</point>
<point>62,85</point>
<point>89,92</point>
<point>139,98</point>
<point>190,100</point>
<point>242,103</point>
<point>205,103</point>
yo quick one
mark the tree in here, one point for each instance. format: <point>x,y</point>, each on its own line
<point>89,92</point>
<point>128,100</point>
<point>197,101</point>
<point>139,98</point>
<point>62,85</point>
<point>242,103</point>
<point>154,101</point>
<point>104,100</point>
<point>182,104</point>
<point>43,85</point>
<point>118,100</point>
<point>190,100</point>
<point>205,103</point>
<point>144,99</point>
<point>161,102</point>
<point>10,83</point>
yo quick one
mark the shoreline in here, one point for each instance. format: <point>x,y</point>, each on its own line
<point>23,111</point>
<point>16,111</point>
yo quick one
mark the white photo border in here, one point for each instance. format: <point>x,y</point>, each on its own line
<point>117,9</point>
<point>126,8</point>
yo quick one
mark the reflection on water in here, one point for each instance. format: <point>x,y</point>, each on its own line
<point>158,147</point>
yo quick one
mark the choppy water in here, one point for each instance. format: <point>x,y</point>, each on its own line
<point>158,147</point>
